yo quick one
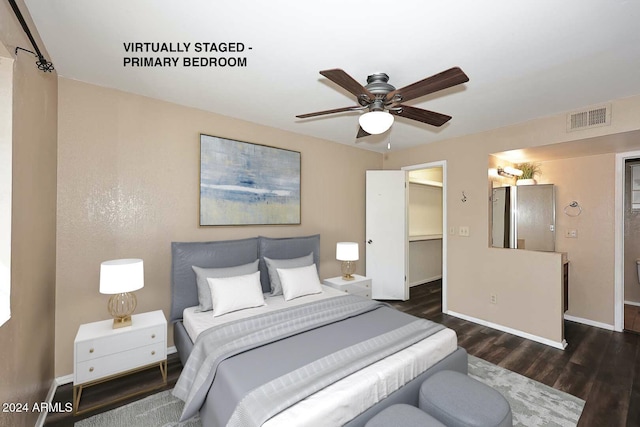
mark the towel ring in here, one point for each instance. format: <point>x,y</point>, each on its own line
<point>573,204</point>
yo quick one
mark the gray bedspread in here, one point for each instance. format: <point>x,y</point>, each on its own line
<point>343,334</point>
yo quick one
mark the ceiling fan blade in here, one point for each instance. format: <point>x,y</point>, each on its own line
<point>335,110</point>
<point>424,116</point>
<point>451,77</point>
<point>362,133</point>
<point>347,82</point>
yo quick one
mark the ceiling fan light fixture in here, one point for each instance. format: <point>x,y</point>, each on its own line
<point>376,122</point>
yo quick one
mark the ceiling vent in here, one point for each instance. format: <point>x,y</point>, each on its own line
<point>591,117</point>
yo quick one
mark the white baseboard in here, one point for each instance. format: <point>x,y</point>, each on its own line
<point>589,322</point>
<point>427,280</point>
<point>52,391</point>
<point>556,344</point>
<point>65,379</point>
<point>637,304</point>
<point>68,379</point>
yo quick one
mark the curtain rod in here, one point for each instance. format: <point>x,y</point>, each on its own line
<point>42,63</point>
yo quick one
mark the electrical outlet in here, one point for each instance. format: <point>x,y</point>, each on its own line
<point>464,230</point>
<point>494,299</point>
<point>571,234</point>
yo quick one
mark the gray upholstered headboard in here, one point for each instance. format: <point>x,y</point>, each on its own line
<point>229,253</point>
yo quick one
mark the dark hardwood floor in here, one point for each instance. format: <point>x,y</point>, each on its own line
<point>599,366</point>
<point>112,394</point>
<point>632,318</point>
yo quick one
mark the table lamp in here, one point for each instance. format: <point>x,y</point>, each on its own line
<point>120,277</point>
<point>347,252</point>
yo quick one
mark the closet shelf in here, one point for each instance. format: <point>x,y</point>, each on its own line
<point>423,237</point>
<point>425,182</point>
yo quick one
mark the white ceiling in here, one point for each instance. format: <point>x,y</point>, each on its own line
<point>525,59</point>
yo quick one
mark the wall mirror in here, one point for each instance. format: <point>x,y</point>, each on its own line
<point>523,217</point>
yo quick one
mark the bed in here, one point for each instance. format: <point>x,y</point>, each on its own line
<point>317,358</point>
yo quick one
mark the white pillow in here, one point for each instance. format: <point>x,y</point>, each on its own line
<point>274,264</point>
<point>297,282</point>
<point>235,293</point>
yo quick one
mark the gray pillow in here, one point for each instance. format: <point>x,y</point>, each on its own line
<point>204,293</point>
<point>274,264</point>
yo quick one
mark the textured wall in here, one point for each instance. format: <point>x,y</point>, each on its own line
<point>27,339</point>
<point>590,181</point>
<point>128,186</point>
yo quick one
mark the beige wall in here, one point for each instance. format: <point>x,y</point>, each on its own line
<point>521,279</point>
<point>27,339</point>
<point>589,181</point>
<point>425,209</point>
<point>128,186</point>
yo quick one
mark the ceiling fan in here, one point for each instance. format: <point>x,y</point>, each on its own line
<point>383,101</point>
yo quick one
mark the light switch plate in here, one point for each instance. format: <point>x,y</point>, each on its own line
<point>464,230</point>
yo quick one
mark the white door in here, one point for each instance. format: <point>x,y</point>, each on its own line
<point>387,237</point>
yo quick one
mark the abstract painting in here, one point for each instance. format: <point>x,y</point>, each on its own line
<point>247,184</point>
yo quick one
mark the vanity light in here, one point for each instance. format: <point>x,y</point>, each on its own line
<point>509,172</point>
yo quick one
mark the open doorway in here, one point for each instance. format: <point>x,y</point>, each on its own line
<point>427,238</point>
<point>631,258</point>
<point>625,256</point>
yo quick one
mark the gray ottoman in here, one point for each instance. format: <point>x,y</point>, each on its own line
<point>458,400</point>
<point>402,415</point>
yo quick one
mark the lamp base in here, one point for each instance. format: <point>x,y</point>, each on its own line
<point>121,306</point>
<point>348,268</point>
<point>121,322</point>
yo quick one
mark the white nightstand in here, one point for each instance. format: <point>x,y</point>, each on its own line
<point>359,286</point>
<point>102,353</point>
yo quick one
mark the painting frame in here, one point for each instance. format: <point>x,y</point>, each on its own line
<point>245,183</point>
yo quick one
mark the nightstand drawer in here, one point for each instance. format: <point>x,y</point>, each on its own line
<point>119,342</point>
<point>357,288</point>
<point>91,370</point>
<point>360,285</point>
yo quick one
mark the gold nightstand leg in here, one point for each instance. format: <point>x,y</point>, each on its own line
<point>77,390</point>
<point>163,370</point>
<point>77,393</point>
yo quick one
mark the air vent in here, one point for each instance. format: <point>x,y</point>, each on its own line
<point>589,118</point>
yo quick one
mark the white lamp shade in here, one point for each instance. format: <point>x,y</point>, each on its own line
<point>347,251</point>
<point>376,122</point>
<point>121,275</point>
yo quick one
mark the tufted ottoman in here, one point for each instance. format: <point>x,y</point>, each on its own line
<point>458,400</point>
<point>402,415</point>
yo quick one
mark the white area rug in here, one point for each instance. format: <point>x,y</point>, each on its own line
<point>532,404</point>
<point>158,410</point>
